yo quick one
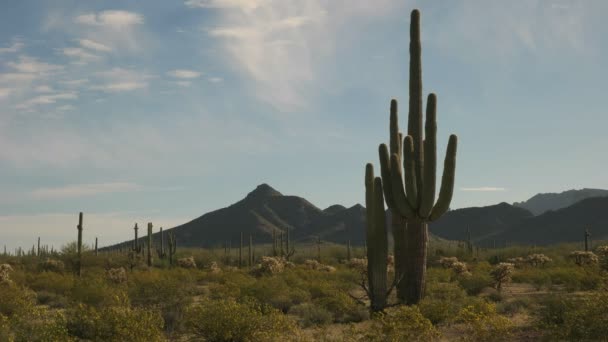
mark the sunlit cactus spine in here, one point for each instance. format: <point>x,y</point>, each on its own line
<point>376,241</point>
<point>408,169</point>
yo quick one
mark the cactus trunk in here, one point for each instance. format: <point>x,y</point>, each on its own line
<point>96,251</point>
<point>79,262</point>
<point>149,244</point>
<point>415,262</point>
<point>377,241</point>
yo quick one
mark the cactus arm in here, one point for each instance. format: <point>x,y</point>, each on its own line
<point>409,167</point>
<point>385,172</point>
<point>399,197</point>
<point>430,158</point>
<point>415,98</point>
<point>447,180</point>
<point>394,129</point>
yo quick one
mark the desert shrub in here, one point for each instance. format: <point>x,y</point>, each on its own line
<point>229,320</point>
<point>95,290</point>
<point>583,258</point>
<point>501,274</point>
<point>269,266</point>
<point>15,299</point>
<point>538,259</point>
<point>118,323</point>
<point>5,329</point>
<point>117,275</point>
<point>342,306</point>
<point>52,265</point>
<point>186,262</point>
<point>317,266</point>
<point>440,275</point>
<point>51,282</point>
<point>443,301</point>
<point>475,283</point>
<point>276,292</point>
<point>514,306</point>
<point>575,319</point>
<point>53,300</point>
<point>483,323</point>
<point>539,278</point>
<point>575,278</point>
<point>602,252</point>
<point>403,323</point>
<point>164,292</point>
<point>5,273</point>
<point>309,314</point>
<point>37,324</point>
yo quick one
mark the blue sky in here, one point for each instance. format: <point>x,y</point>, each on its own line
<point>161,111</point>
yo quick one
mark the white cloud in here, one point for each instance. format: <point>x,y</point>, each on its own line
<point>47,99</point>
<point>28,64</point>
<point>16,47</point>
<point>81,55</point>
<point>43,89</point>
<point>93,45</point>
<point>215,79</point>
<point>113,19</point>
<point>121,80</point>
<point>5,92</point>
<point>84,190</point>
<point>183,73</point>
<point>246,5</point>
<point>75,83</point>
<point>183,83</point>
<point>281,45</point>
<point>484,189</point>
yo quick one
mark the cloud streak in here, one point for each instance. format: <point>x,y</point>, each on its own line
<point>83,190</point>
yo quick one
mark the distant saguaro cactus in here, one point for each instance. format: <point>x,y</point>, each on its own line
<point>79,262</point>
<point>377,241</point>
<point>408,171</point>
<point>149,244</point>
<point>172,247</point>
<point>96,250</point>
<point>587,235</point>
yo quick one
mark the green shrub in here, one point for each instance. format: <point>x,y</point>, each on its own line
<point>51,282</point>
<point>575,319</point>
<point>164,292</point>
<point>115,324</point>
<point>14,299</point>
<point>483,323</point>
<point>228,320</point>
<point>37,324</point>
<point>309,314</point>
<point>342,306</point>
<point>443,301</point>
<point>403,323</point>
<point>276,292</point>
<point>95,290</point>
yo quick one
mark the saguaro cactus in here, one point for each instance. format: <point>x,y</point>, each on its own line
<point>96,251</point>
<point>241,252</point>
<point>376,240</point>
<point>79,262</point>
<point>172,247</point>
<point>136,246</point>
<point>410,193</point>
<point>250,264</point>
<point>149,244</point>
<point>587,235</point>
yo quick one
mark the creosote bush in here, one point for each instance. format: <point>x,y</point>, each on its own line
<point>483,323</point>
<point>228,320</point>
<point>402,323</point>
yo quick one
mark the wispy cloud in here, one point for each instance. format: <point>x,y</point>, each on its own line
<point>84,190</point>
<point>184,73</point>
<point>47,99</point>
<point>15,47</point>
<point>113,19</point>
<point>484,188</point>
<point>28,64</point>
<point>80,55</point>
<point>121,80</point>
<point>93,45</point>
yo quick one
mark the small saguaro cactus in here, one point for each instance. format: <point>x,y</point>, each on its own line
<point>587,235</point>
<point>172,247</point>
<point>469,242</point>
<point>408,170</point>
<point>96,251</point>
<point>136,246</point>
<point>376,241</point>
<point>149,244</point>
<point>161,249</point>
<point>241,252</point>
<point>79,262</point>
<point>250,263</point>
<point>289,247</point>
<point>348,252</point>
<point>319,248</point>
<point>38,250</point>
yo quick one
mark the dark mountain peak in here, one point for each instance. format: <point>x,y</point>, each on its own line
<point>543,202</point>
<point>357,207</point>
<point>336,208</point>
<point>263,191</point>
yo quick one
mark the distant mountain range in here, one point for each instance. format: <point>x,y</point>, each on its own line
<point>542,203</point>
<point>265,210</point>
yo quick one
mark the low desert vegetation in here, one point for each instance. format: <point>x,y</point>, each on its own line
<point>301,300</point>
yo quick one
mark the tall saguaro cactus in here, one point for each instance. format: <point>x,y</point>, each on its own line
<point>79,262</point>
<point>376,240</point>
<point>408,169</point>
<point>587,235</point>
